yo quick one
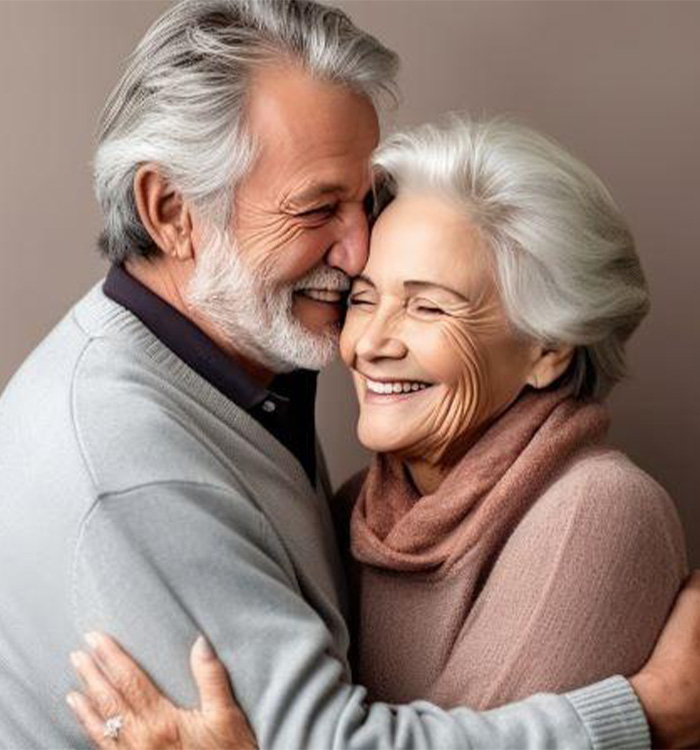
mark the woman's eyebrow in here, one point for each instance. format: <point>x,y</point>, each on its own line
<point>432,284</point>
<point>364,279</point>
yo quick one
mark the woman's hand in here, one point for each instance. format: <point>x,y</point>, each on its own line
<point>117,688</point>
<point>668,685</point>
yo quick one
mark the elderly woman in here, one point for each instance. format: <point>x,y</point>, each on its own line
<point>499,546</point>
<point>483,334</point>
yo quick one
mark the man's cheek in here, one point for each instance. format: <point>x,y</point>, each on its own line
<point>271,249</point>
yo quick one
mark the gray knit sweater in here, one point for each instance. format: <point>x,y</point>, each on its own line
<point>135,498</point>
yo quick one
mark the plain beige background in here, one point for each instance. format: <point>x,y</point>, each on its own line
<point>617,82</point>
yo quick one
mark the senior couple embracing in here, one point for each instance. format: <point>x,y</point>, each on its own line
<point>499,576</point>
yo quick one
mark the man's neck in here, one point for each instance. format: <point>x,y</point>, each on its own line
<point>169,280</point>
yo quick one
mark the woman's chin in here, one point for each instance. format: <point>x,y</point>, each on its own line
<point>382,440</point>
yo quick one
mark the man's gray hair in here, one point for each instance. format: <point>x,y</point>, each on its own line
<point>565,259</point>
<point>181,101</point>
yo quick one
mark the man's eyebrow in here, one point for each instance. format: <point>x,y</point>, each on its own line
<point>433,284</point>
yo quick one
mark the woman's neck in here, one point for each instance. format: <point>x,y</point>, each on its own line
<point>425,476</point>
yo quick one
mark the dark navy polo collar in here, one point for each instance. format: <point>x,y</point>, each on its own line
<point>286,409</point>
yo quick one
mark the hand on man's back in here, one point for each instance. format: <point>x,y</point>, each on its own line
<point>668,684</point>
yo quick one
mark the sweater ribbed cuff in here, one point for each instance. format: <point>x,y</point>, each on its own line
<point>612,715</point>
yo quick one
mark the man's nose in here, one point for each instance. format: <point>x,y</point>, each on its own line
<point>351,248</point>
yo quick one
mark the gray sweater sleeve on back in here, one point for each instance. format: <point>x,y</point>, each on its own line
<point>158,564</point>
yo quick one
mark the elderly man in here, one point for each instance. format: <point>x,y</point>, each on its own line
<point>158,461</point>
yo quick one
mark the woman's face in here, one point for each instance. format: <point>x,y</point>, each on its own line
<point>432,355</point>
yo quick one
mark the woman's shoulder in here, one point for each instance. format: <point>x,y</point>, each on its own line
<point>604,474</point>
<point>602,513</point>
<point>604,492</point>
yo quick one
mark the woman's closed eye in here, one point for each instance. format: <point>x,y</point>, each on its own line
<point>360,300</point>
<point>426,308</point>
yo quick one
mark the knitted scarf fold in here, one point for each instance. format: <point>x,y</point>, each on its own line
<point>483,497</point>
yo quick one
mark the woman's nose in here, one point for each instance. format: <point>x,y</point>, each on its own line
<point>381,339</point>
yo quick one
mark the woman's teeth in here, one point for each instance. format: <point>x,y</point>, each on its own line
<point>322,295</point>
<point>400,386</point>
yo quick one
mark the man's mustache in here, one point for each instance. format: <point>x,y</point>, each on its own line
<point>322,277</point>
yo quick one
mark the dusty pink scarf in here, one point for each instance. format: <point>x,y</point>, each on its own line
<point>482,498</point>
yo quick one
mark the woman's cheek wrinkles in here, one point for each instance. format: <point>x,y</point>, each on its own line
<point>473,345</point>
<point>470,399</point>
<point>460,408</point>
<point>467,400</point>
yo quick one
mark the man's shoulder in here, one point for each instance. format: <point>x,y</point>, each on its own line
<point>135,426</point>
<point>52,360</point>
<point>126,411</point>
<point>48,371</point>
<point>95,382</point>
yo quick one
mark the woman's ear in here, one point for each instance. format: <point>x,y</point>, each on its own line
<point>163,212</point>
<point>551,364</point>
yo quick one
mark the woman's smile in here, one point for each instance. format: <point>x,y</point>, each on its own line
<point>386,391</point>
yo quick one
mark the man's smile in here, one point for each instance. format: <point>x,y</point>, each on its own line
<point>332,296</point>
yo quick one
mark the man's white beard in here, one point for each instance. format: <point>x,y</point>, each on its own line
<point>255,316</point>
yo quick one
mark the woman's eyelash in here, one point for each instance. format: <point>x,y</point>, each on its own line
<point>431,309</point>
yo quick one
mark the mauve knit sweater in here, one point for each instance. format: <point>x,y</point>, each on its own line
<point>545,561</point>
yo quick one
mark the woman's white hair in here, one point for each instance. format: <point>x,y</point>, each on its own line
<point>181,101</point>
<point>565,258</point>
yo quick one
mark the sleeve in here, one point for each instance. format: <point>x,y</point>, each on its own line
<point>157,564</point>
<point>580,591</point>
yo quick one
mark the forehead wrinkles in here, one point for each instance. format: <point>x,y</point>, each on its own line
<point>342,177</point>
<point>294,155</point>
<point>327,127</point>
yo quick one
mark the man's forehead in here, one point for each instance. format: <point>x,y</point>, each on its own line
<point>295,111</point>
<point>277,90</point>
<point>315,138</point>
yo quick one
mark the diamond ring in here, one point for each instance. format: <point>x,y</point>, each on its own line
<point>113,726</point>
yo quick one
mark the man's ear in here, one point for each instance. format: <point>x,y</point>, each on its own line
<point>164,213</point>
<point>550,365</point>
